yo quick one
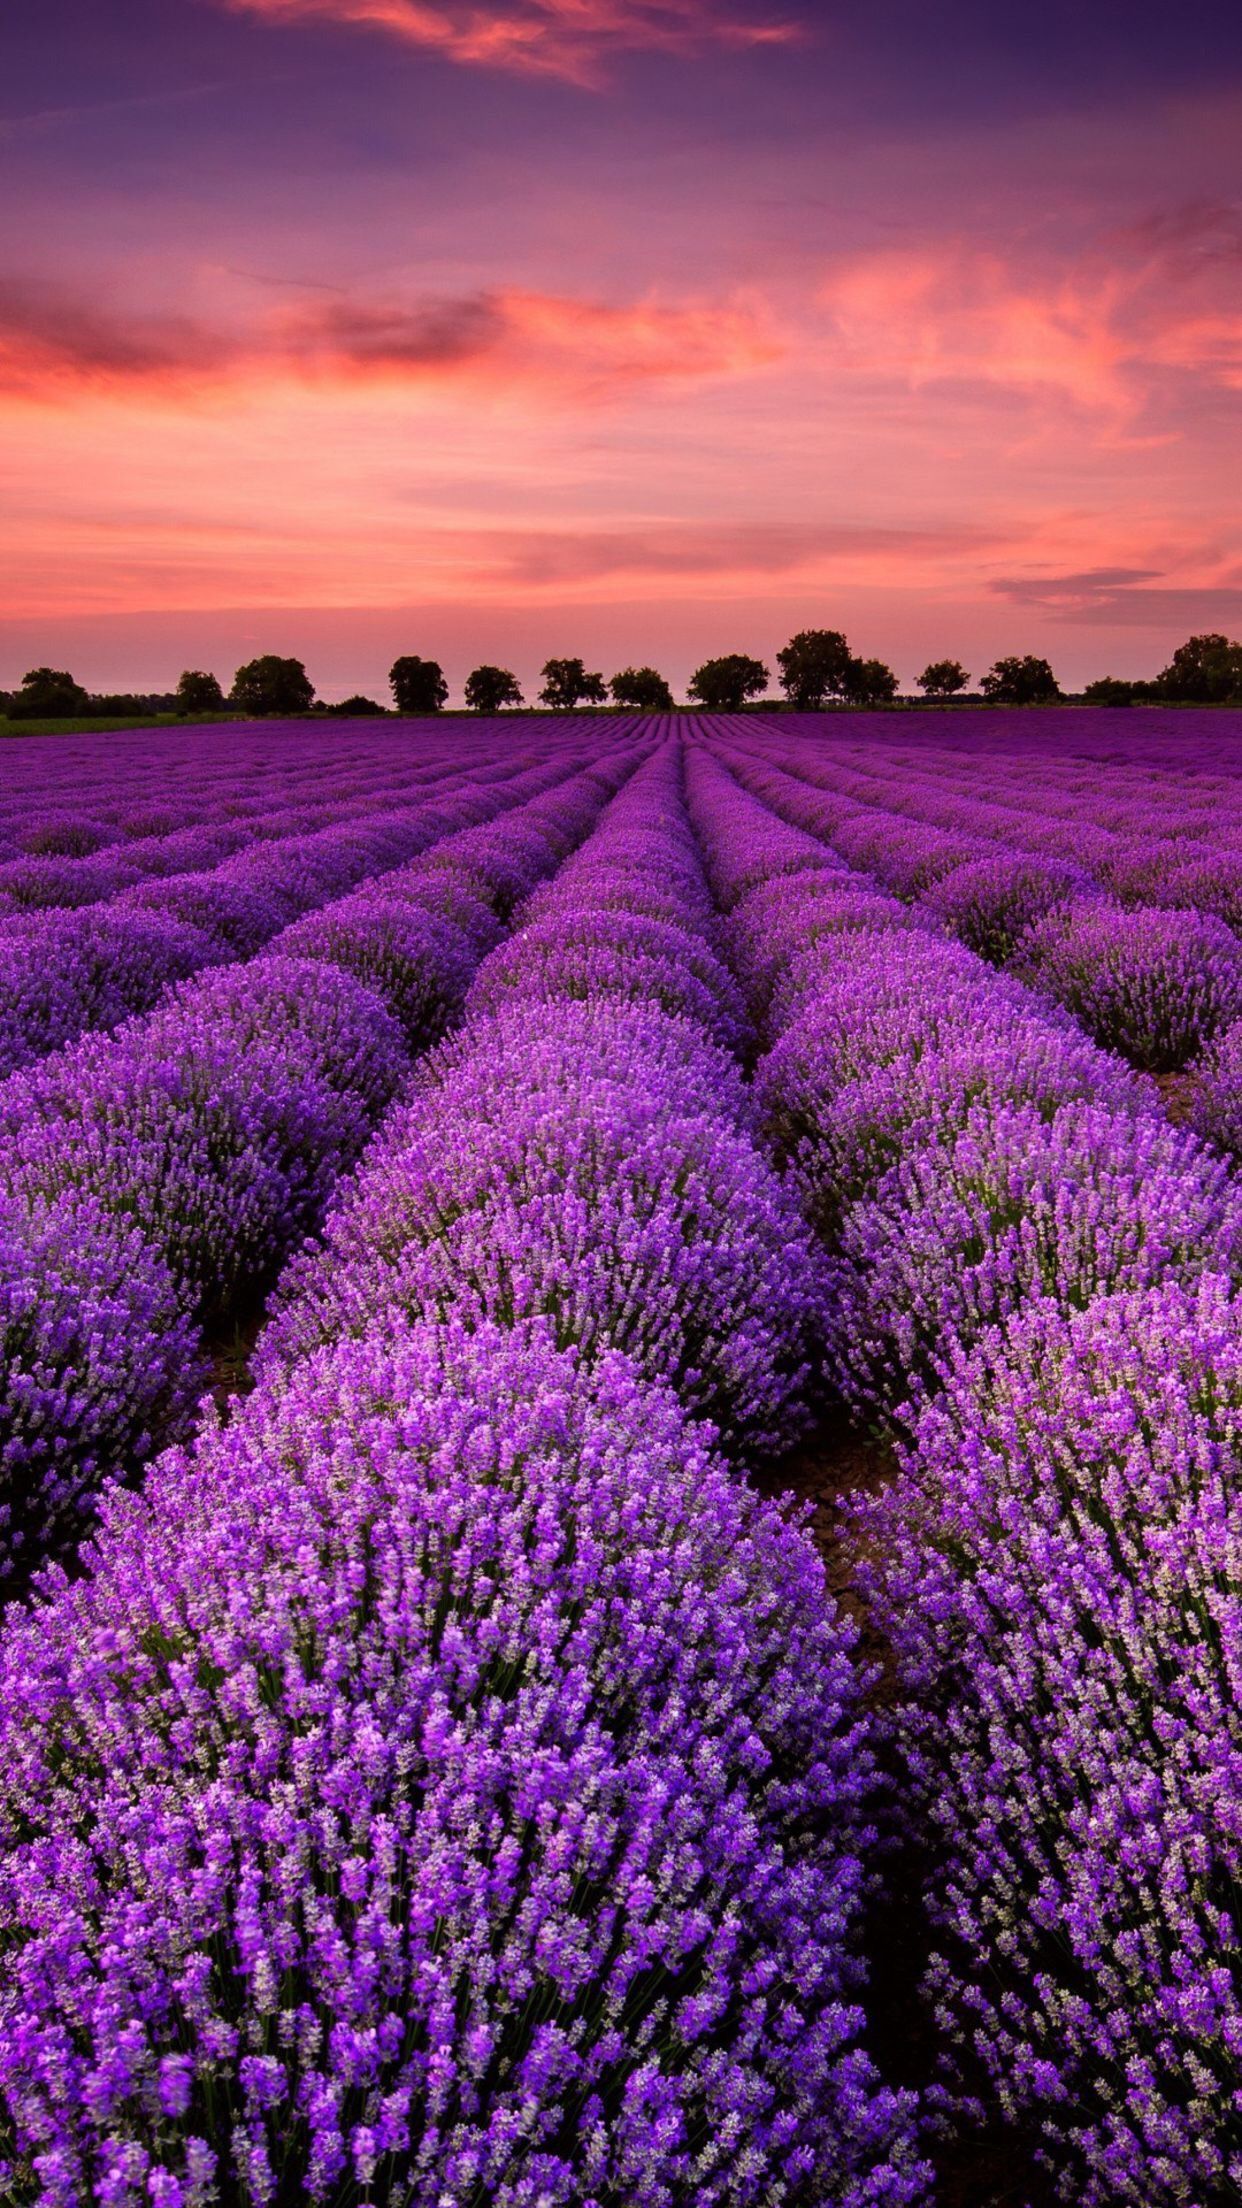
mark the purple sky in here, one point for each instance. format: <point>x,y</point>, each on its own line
<point>636,328</point>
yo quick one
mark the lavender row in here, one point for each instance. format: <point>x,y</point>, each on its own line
<point>1137,834</point>
<point>76,864</point>
<point>1157,985</point>
<point>151,1181</point>
<point>64,794</point>
<point>499,1757</point>
<point>59,832</point>
<point>565,1158</point>
<point>1054,1567</point>
<point>66,974</point>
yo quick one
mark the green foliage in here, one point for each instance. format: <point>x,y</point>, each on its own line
<point>567,684</point>
<point>358,709</point>
<point>814,667</point>
<point>1111,690</point>
<point>724,685</point>
<point>1020,681</point>
<point>47,693</point>
<point>943,678</point>
<point>270,685</point>
<point>1205,670</point>
<point>491,689</point>
<point>199,693</point>
<point>418,685</point>
<point>642,689</point>
<point>870,682</point>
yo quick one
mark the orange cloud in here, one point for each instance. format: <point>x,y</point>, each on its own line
<point>1094,337</point>
<point>946,316</point>
<point>54,346</point>
<point>591,346</point>
<point>569,39</point>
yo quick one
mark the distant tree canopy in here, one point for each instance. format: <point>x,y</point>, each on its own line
<point>870,682</point>
<point>567,684</point>
<point>642,689</point>
<point>418,685</point>
<point>943,678</point>
<point>270,685</point>
<point>815,666</point>
<point>491,689</point>
<point>725,685</point>
<point>358,709</point>
<point>1025,681</point>
<point>199,693</point>
<point>48,693</point>
<point>1205,670</point>
<point>1111,690</point>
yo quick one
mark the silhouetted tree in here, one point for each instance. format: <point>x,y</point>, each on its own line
<point>1025,681</point>
<point>943,678</point>
<point>491,689</point>
<point>870,682</point>
<point>358,709</point>
<point>724,685</point>
<point>642,689</point>
<point>1110,690</point>
<point>418,685</point>
<point>567,684</point>
<point>1205,670</point>
<point>48,694</point>
<point>814,666</point>
<point>199,693</point>
<point>271,685</point>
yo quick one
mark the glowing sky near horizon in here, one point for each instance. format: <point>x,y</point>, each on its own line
<point>636,328</point>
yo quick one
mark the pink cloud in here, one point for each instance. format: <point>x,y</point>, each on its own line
<point>1094,335</point>
<point>569,39</point>
<point>55,346</point>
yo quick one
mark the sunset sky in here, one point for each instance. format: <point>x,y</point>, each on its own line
<point>638,329</point>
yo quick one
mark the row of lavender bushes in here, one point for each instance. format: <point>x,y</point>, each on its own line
<point>68,972</point>
<point>71,799</point>
<point>461,1779</point>
<point>152,1181</point>
<point>1159,985</point>
<point>1031,1290</point>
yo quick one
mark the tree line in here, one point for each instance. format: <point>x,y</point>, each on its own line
<point>816,668</point>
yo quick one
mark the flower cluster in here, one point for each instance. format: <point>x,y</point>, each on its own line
<point>1062,1586</point>
<point>1021,1244</point>
<point>581,1153</point>
<point>459,1780</point>
<point>1155,985</point>
<point>448,1781</point>
<point>212,1133</point>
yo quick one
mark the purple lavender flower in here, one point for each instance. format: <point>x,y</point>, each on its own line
<point>1009,1206</point>
<point>1057,1570</point>
<point>97,1364</point>
<point>547,1171</point>
<point>1155,985</point>
<point>447,1779</point>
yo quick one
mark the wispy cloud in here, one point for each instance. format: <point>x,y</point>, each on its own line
<point>1095,335</point>
<point>745,553</point>
<point>570,39</point>
<point>1130,597</point>
<point>55,345</point>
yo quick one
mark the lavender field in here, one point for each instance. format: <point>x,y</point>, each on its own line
<point>460,1186</point>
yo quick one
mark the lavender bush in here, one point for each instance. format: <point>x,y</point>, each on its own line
<point>1058,1571</point>
<point>600,1192</point>
<point>1154,985</point>
<point>449,1783</point>
<point>98,1362</point>
<point>1007,1208</point>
